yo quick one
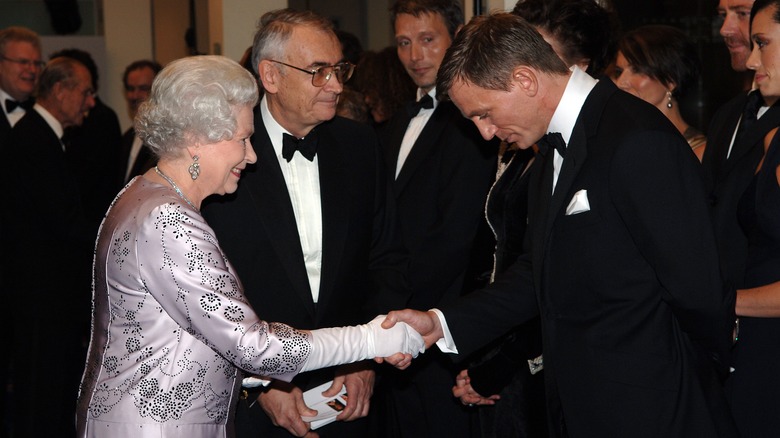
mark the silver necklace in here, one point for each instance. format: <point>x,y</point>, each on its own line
<point>175,187</point>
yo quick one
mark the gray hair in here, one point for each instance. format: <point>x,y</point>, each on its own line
<point>490,47</point>
<point>274,29</point>
<point>58,70</point>
<point>194,100</point>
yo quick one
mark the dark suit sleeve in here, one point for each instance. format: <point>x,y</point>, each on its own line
<point>389,261</point>
<point>668,220</point>
<point>484,315</point>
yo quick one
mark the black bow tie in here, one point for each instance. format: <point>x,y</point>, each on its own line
<point>11,105</point>
<point>307,146</point>
<point>552,140</point>
<point>414,107</point>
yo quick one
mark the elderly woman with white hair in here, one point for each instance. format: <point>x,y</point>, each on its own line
<point>170,325</point>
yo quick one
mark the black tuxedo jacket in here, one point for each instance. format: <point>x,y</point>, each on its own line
<point>144,161</point>
<point>632,306</point>
<point>363,265</point>
<point>727,179</point>
<point>5,128</point>
<point>440,193</point>
<point>47,254</point>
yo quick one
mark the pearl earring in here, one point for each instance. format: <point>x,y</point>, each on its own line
<point>669,97</point>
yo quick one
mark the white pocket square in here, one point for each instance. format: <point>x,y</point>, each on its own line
<point>579,203</point>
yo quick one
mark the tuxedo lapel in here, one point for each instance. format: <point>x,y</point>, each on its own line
<point>752,139</point>
<point>271,199</point>
<point>334,177</point>
<point>426,142</point>
<point>5,127</point>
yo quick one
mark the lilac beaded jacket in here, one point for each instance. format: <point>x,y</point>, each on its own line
<point>170,325</point>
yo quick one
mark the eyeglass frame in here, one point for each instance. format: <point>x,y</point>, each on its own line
<point>25,62</point>
<point>313,72</point>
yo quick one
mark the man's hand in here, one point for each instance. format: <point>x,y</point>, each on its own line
<point>467,395</point>
<point>426,323</point>
<point>283,403</point>
<point>359,380</point>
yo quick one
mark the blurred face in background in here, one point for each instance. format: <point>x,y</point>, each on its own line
<point>20,67</point>
<point>640,85</point>
<point>422,42</point>
<point>736,30</point>
<point>137,88</point>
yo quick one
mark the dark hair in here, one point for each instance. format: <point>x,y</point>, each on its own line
<point>138,65</point>
<point>449,10</point>
<point>350,46</point>
<point>760,5</point>
<point>58,70</point>
<point>662,53</point>
<point>583,29</point>
<point>82,57</point>
<point>383,79</point>
<point>489,48</point>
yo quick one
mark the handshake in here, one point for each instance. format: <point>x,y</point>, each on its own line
<point>396,339</point>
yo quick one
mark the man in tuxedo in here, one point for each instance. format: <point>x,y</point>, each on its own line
<point>621,263</point>
<point>311,230</point>
<point>49,246</point>
<point>442,171</point>
<point>93,148</point>
<point>735,145</point>
<point>20,65</point>
<point>135,158</point>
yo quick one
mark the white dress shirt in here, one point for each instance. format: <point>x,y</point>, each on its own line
<point>55,124</point>
<point>414,129</point>
<point>303,184</point>
<point>761,111</point>
<point>135,148</point>
<point>15,115</point>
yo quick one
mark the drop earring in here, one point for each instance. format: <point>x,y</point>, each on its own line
<point>194,168</point>
<point>669,97</point>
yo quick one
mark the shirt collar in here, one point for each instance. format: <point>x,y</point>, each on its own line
<point>568,110</point>
<point>55,124</point>
<point>274,129</point>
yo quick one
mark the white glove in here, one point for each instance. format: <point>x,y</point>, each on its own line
<point>340,345</point>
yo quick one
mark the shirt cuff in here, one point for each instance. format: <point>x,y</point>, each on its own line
<point>446,344</point>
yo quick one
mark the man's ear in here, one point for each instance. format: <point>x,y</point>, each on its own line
<point>525,79</point>
<point>269,76</point>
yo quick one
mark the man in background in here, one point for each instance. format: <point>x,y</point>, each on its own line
<point>135,158</point>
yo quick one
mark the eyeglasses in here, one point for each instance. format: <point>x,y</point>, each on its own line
<point>25,62</point>
<point>321,75</point>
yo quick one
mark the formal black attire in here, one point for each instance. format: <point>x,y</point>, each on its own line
<point>144,161</point>
<point>726,179</point>
<point>754,386</point>
<point>440,191</point>
<point>48,248</point>
<point>635,320</point>
<point>93,153</point>
<point>503,367</point>
<point>363,263</point>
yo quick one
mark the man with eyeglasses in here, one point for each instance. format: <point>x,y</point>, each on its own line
<point>311,231</point>
<point>47,245</point>
<point>20,65</point>
<point>443,170</point>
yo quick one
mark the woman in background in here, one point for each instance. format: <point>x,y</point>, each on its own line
<point>657,63</point>
<point>171,326</point>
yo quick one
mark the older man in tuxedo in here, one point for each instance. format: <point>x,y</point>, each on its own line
<point>48,243</point>
<point>20,65</point>
<point>621,263</point>
<point>311,230</point>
